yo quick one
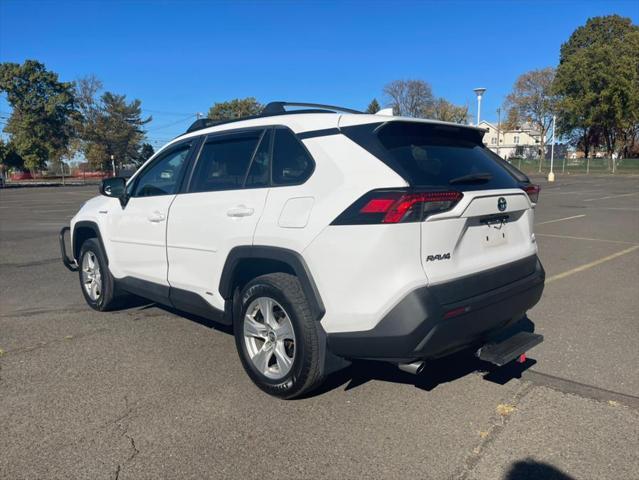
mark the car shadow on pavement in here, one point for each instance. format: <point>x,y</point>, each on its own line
<point>435,373</point>
<point>530,469</point>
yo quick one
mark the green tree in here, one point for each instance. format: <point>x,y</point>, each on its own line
<point>108,125</point>
<point>9,158</point>
<point>236,108</point>
<point>410,98</point>
<point>532,101</point>
<point>373,107</point>
<point>598,82</point>
<point>42,112</point>
<point>446,111</point>
<point>146,152</point>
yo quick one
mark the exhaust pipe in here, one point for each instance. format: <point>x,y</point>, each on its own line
<point>415,368</point>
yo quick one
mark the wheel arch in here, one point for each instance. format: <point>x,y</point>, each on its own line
<point>82,231</point>
<point>246,262</point>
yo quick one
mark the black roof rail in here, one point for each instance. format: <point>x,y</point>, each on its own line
<point>277,108</point>
<point>271,109</point>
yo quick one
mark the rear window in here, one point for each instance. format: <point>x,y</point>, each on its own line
<point>438,156</point>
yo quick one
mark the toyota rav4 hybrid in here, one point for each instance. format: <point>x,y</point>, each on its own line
<point>323,235</point>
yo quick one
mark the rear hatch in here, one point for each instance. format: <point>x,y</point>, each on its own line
<point>475,215</point>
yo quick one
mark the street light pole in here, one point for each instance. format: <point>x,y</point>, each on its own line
<point>498,127</point>
<point>551,175</point>
<point>479,92</point>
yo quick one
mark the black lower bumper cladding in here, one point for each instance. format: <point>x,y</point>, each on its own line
<point>421,326</point>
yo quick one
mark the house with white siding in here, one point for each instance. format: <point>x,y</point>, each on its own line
<point>521,142</point>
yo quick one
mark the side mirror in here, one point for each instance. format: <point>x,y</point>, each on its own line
<point>115,188</point>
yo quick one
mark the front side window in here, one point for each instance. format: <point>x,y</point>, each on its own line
<point>163,176</point>
<point>224,161</point>
<point>292,164</point>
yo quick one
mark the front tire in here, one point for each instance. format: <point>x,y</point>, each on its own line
<point>96,281</point>
<point>277,340</point>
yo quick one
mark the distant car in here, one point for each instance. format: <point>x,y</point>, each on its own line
<point>323,235</point>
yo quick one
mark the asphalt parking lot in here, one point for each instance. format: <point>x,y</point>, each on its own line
<point>149,393</point>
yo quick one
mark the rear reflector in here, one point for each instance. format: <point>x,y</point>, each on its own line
<point>397,206</point>
<point>533,192</point>
<point>456,312</point>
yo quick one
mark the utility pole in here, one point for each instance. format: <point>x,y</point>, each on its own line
<point>551,175</point>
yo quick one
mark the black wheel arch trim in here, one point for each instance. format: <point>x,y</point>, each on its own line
<point>96,229</point>
<point>290,257</point>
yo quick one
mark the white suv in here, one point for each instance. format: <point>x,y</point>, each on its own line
<point>323,235</point>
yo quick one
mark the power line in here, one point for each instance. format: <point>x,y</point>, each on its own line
<point>172,123</point>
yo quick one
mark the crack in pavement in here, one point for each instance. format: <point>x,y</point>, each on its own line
<point>591,392</point>
<point>38,345</point>
<point>499,422</point>
<point>32,312</point>
<point>125,432</point>
<point>34,263</point>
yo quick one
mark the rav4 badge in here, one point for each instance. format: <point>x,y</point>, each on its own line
<point>443,256</point>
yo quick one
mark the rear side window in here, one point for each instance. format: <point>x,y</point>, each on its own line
<point>259,173</point>
<point>438,156</point>
<point>292,164</point>
<point>224,161</point>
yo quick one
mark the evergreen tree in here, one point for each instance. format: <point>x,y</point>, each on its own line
<point>373,107</point>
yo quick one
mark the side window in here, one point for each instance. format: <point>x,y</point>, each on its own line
<point>223,162</point>
<point>163,176</point>
<point>291,162</point>
<point>258,175</point>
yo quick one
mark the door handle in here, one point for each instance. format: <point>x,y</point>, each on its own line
<point>156,217</point>
<point>240,211</point>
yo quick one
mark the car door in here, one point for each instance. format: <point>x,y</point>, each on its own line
<point>137,232</point>
<point>219,210</point>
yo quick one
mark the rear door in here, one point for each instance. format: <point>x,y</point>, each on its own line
<point>220,210</point>
<point>490,226</point>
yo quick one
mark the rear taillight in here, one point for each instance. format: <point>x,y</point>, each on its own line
<point>533,192</point>
<point>397,206</point>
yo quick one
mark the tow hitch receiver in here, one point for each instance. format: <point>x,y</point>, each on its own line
<point>510,349</point>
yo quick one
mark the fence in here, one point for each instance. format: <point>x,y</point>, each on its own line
<point>578,165</point>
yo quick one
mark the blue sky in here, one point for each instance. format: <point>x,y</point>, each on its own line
<point>180,57</point>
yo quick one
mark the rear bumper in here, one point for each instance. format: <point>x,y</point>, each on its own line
<point>432,322</point>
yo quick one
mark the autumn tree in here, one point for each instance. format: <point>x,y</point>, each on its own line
<point>109,125</point>
<point>532,101</point>
<point>236,108</point>
<point>410,98</point>
<point>446,111</point>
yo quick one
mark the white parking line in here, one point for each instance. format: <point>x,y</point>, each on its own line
<point>591,264</point>
<point>569,237</point>
<point>560,219</point>
<point>610,196</point>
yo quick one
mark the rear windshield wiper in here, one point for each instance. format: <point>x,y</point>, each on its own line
<point>473,177</point>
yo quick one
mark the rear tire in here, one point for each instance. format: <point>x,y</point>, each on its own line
<point>277,339</point>
<point>96,282</point>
